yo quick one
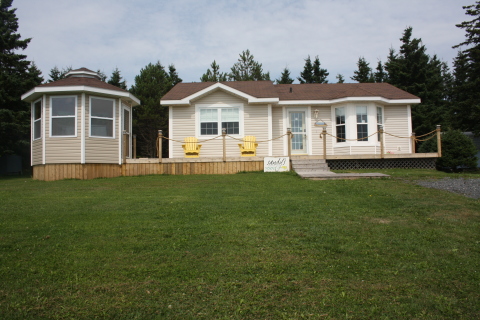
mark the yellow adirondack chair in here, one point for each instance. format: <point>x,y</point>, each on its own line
<point>249,147</point>
<point>191,147</point>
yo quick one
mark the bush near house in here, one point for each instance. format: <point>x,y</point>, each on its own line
<point>458,151</point>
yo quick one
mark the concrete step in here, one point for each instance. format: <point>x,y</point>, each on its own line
<point>307,161</point>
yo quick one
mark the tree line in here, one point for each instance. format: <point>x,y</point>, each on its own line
<point>449,97</point>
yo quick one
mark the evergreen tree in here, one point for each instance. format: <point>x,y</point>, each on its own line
<point>247,69</point>
<point>285,77</point>
<point>340,78</point>
<point>173,76</point>
<point>150,85</point>
<point>364,73</point>
<point>102,75</point>
<point>116,79</point>
<point>380,75</point>
<point>214,75</point>
<point>17,76</point>
<point>57,74</point>
<point>414,71</point>
<point>313,73</point>
<point>466,97</point>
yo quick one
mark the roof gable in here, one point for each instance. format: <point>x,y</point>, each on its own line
<point>186,93</point>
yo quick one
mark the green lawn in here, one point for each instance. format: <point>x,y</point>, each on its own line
<point>244,246</point>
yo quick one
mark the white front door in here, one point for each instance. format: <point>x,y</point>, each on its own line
<point>298,126</point>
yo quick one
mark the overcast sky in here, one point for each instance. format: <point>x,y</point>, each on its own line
<point>104,34</point>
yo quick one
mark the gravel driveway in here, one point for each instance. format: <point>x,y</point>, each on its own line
<point>467,187</point>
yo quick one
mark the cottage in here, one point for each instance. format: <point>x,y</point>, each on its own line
<point>352,113</point>
<point>80,120</point>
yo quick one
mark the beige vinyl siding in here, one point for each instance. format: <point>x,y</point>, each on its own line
<point>183,125</point>
<point>63,149</point>
<point>37,153</point>
<point>341,150</point>
<point>256,124</point>
<point>397,123</point>
<point>183,122</point>
<point>324,113</point>
<point>101,150</point>
<point>277,131</point>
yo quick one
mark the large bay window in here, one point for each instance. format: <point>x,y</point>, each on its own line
<point>102,117</point>
<point>213,119</point>
<point>37,119</point>
<point>354,123</point>
<point>63,116</point>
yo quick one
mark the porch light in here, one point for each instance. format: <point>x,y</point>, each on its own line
<point>319,123</point>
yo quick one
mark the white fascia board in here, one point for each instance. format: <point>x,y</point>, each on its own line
<point>42,90</point>
<point>187,100</point>
<point>348,99</point>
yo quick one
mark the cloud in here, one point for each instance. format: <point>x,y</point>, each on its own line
<point>105,34</point>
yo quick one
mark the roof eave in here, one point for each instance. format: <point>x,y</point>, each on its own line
<point>38,91</point>
<point>349,99</point>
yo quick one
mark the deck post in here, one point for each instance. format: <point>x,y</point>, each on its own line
<point>324,134</point>
<point>439,140</point>
<point>413,142</point>
<point>289,133</point>
<point>160,138</point>
<point>134,146</point>
<point>224,134</point>
<point>125,147</point>
<point>382,146</point>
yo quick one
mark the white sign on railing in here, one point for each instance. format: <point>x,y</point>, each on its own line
<point>276,164</point>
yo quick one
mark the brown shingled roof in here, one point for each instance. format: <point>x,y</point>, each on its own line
<point>313,91</point>
<point>331,91</point>
<point>82,81</point>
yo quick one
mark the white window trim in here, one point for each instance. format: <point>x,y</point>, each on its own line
<point>198,107</point>
<point>351,124</point>
<point>37,120</point>
<point>104,118</point>
<point>53,117</point>
<point>125,107</point>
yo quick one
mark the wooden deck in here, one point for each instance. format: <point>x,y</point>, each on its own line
<point>178,166</point>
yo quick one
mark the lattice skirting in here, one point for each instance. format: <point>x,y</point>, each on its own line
<point>414,163</point>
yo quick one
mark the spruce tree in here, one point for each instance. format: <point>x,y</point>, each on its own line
<point>364,73</point>
<point>380,75</point>
<point>116,79</point>
<point>414,71</point>
<point>151,84</point>
<point>214,75</point>
<point>340,78</point>
<point>57,74</point>
<point>313,73</point>
<point>247,69</point>
<point>17,76</point>
<point>467,74</point>
<point>285,77</point>
<point>173,75</point>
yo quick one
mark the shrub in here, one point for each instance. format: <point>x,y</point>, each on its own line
<point>458,151</point>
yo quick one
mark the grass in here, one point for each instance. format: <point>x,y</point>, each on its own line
<point>245,246</point>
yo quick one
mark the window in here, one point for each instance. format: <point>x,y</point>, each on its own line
<point>102,114</point>
<point>362,123</point>
<point>63,116</point>
<point>340,124</point>
<point>379,120</point>
<point>37,119</point>
<point>212,120</point>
